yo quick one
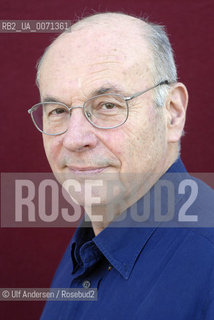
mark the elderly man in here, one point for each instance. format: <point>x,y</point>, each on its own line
<point>112,110</point>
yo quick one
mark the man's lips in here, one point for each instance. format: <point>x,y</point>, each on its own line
<point>86,170</point>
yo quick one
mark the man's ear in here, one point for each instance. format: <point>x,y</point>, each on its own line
<point>176,106</point>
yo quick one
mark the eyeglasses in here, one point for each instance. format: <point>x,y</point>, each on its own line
<point>105,111</point>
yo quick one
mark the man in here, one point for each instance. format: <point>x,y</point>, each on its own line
<point>113,112</point>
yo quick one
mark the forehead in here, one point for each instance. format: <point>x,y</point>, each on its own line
<point>86,58</point>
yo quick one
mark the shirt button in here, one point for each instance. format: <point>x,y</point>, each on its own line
<point>86,284</point>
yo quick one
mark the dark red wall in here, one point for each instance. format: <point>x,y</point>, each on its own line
<point>29,257</point>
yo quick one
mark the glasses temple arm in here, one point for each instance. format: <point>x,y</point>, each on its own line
<point>142,92</point>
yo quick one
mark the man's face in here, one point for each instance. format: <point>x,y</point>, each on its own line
<point>78,65</point>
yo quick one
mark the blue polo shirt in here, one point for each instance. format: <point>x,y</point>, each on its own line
<point>148,271</point>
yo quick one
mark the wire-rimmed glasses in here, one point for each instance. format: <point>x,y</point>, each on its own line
<point>105,111</point>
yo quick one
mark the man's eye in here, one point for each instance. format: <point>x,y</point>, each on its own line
<point>108,106</point>
<point>57,111</point>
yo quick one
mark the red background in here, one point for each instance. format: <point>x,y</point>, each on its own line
<point>29,257</point>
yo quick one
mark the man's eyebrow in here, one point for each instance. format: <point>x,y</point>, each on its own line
<point>107,89</point>
<point>50,99</point>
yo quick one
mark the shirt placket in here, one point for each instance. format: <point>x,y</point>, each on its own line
<point>90,268</point>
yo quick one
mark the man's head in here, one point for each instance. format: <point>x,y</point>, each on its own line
<point>115,53</point>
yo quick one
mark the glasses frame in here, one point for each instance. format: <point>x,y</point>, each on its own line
<point>126,99</point>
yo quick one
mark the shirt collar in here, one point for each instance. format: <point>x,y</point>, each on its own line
<point>177,166</point>
<point>120,245</point>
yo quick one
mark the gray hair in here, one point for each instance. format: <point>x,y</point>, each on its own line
<point>163,60</point>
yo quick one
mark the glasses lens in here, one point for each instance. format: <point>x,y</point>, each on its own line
<point>51,117</point>
<point>106,111</point>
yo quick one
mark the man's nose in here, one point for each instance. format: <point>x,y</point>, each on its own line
<point>80,135</point>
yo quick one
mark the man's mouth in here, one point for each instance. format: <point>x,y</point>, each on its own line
<point>86,170</point>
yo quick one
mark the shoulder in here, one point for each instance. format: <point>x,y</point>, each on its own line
<point>195,207</point>
<point>204,208</point>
